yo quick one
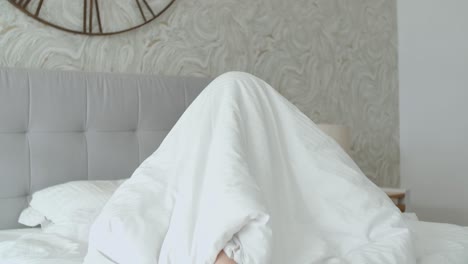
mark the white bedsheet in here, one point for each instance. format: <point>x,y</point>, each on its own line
<point>435,244</point>
<point>31,246</point>
<point>245,171</point>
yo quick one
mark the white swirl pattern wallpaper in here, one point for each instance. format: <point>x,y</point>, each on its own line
<point>335,59</point>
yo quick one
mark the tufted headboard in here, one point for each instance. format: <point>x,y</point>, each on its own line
<point>62,126</point>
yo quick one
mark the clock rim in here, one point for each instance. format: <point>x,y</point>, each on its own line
<point>43,21</point>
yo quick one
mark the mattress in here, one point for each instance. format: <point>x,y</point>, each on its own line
<point>435,244</point>
<point>31,246</point>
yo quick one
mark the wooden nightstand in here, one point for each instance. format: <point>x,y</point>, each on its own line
<point>398,197</point>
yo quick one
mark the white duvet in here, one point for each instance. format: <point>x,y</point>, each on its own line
<point>246,172</point>
<point>31,246</point>
<point>435,244</point>
<point>438,243</point>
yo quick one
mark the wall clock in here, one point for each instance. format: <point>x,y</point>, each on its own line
<point>93,17</point>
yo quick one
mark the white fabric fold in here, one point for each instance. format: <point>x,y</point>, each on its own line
<point>244,171</point>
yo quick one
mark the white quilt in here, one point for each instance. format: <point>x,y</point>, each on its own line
<point>435,244</point>
<point>31,246</point>
<point>245,171</point>
<point>438,243</point>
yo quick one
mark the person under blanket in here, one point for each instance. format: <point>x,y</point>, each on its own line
<point>244,177</point>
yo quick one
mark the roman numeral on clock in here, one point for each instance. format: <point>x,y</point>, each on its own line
<point>23,4</point>
<point>91,7</point>
<point>89,17</point>
<point>147,7</point>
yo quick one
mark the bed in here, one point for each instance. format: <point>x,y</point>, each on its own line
<point>57,127</point>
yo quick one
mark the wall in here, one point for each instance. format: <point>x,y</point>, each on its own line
<point>335,59</point>
<point>433,49</point>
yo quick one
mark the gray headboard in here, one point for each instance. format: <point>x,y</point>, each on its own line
<point>62,126</point>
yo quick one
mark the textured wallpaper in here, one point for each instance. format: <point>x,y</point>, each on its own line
<point>335,59</point>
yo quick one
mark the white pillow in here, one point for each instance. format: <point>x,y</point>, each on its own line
<point>31,217</point>
<point>71,207</point>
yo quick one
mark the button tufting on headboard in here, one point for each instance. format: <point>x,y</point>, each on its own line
<point>63,126</point>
